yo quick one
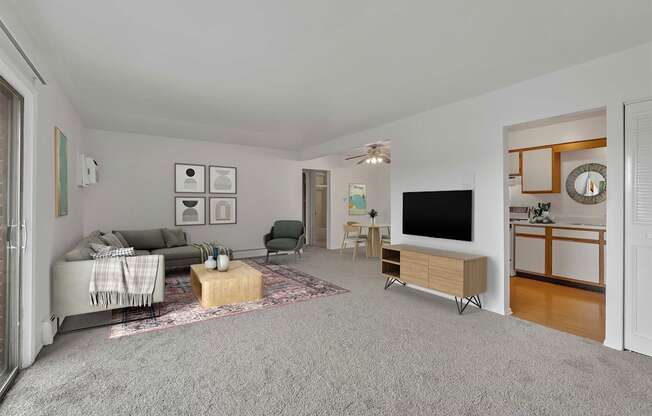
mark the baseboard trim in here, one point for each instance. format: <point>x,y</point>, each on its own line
<point>561,282</point>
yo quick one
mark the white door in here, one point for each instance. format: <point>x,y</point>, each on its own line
<point>638,227</point>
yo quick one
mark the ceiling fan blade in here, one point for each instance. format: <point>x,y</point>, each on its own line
<point>361,162</point>
<point>355,157</point>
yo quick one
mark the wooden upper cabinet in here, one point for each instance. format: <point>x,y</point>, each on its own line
<point>514,163</point>
<point>541,171</point>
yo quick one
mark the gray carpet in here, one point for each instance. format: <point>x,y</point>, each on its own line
<point>368,352</point>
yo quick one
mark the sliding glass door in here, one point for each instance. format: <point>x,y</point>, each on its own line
<point>11,228</point>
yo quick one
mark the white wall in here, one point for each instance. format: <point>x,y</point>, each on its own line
<point>593,127</point>
<point>136,186</point>
<point>464,144</point>
<point>563,207</point>
<point>45,107</point>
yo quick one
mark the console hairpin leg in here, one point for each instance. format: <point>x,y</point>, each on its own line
<point>461,306</point>
<point>391,280</point>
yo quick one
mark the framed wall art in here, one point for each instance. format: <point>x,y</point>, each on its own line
<point>357,199</point>
<point>222,180</point>
<point>189,179</point>
<point>189,210</point>
<point>60,173</point>
<point>223,210</point>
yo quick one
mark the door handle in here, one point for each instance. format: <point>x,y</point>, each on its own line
<point>10,236</point>
<point>23,235</point>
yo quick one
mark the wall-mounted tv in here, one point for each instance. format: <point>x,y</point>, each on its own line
<point>439,214</point>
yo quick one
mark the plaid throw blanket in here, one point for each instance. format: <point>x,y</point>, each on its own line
<point>127,281</point>
<point>208,248</point>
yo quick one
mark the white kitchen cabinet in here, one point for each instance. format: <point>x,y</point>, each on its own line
<point>530,254</point>
<point>541,171</point>
<point>576,260</point>
<point>514,163</point>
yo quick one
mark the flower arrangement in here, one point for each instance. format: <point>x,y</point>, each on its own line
<point>373,214</point>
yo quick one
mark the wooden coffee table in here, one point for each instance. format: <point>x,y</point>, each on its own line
<point>241,283</point>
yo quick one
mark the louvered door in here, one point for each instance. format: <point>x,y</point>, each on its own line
<point>638,227</point>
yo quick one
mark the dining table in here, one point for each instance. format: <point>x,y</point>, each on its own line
<point>374,236</point>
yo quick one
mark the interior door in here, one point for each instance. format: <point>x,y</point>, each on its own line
<point>638,227</point>
<point>12,228</point>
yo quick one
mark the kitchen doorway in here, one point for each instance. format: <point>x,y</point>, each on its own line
<point>555,211</point>
<point>316,202</point>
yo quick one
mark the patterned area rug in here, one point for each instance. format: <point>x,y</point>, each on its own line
<point>282,286</point>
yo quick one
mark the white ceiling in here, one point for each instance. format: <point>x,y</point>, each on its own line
<point>294,73</point>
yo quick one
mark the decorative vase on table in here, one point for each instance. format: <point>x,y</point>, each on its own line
<point>210,263</point>
<point>223,262</point>
<point>373,213</point>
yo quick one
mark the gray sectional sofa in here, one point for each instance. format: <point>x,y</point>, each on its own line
<point>71,274</point>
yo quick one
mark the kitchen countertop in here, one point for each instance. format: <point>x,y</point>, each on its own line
<point>562,225</point>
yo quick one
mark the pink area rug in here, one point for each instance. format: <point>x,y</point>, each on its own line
<point>282,285</point>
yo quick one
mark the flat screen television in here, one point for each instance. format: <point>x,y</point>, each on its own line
<point>439,214</point>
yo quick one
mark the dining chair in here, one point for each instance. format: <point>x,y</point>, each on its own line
<point>386,238</point>
<point>353,234</point>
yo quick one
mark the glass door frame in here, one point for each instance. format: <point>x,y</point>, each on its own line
<point>15,239</point>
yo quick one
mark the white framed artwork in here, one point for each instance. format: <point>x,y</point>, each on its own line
<point>189,210</point>
<point>223,210</point>
<point>222,180</point>
<point>189,179</point>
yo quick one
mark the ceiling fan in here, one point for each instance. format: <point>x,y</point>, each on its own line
<point>376,153</point>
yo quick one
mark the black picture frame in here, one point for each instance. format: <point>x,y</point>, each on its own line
<point>210,213</point>
<point>191,165</point>
<point>235,180</point>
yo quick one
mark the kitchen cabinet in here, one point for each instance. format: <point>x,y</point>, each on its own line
<point>541,171</point>
<point>530,254</point>
<point>565,253</point>
<point>514,165</point>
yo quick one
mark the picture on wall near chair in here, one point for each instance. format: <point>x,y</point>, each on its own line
<point>189,179</point>
<point>190,211</point>
<point>222,180</point>
<point>60,173</point>
<point>357,199</point>
<point>223,210</point>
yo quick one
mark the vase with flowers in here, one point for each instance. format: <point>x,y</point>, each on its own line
<point>373,214</point>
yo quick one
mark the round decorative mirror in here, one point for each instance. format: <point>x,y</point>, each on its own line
<point>587,184</point>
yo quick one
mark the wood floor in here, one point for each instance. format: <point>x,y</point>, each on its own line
<point>577,311</point>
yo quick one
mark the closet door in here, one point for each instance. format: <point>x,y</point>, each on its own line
<point>638,227</point>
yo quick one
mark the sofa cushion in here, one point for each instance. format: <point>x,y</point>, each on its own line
<point>174,237</point>
<point>183,252</point>
<point>141,252</point>
<point>282,244</point>
<point>144,239</point>
<point>83,250</point>
<point>287,229</point>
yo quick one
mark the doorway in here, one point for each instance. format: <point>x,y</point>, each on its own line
<point>11,226</point>
<point>315,206</point>
<point>555,209</point>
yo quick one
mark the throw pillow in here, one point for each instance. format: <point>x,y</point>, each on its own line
<point>174,237</point>
<point>100,248</point>
<point>112,240</point>
<point>121,238</point>
<point>83,250</point>
<point>115,252</point>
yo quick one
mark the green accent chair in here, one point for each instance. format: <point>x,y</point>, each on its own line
<point>285,236</point>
